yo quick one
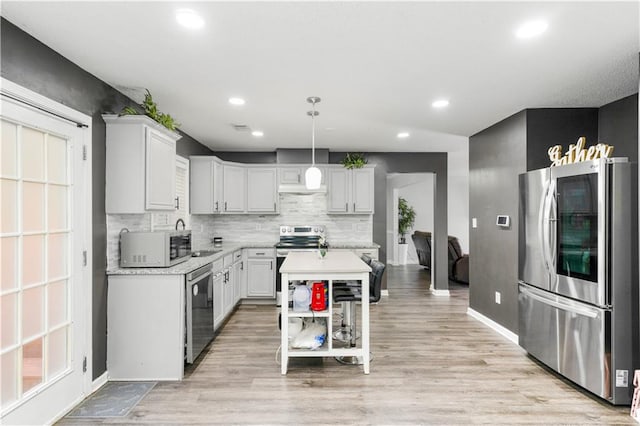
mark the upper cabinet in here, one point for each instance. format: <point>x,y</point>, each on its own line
<point>262,191</point>
<point>294,175</point>
<point>350,191</point>
<point>206,174</point>
<point>234,184</point>
<point>140,165</point>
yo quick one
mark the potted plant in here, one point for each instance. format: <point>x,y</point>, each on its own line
<point>151,110</point>
<point>406,219</point>
<point>354,161</point>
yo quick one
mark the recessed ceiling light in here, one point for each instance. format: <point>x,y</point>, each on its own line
<point>236,101</point>
<point>531,29</point>
<point>257,133</point>
<point>440,103</point>
<point>403,135</point>
<point>189,19</point>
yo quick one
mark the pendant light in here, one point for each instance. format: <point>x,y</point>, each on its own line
<point>313,176</point>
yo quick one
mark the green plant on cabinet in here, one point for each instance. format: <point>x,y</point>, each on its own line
<point>354,161</point>
<point>151,110</point>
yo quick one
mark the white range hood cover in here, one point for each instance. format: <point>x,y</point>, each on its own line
<point>298,188</point>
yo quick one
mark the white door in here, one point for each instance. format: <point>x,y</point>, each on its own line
<point>363,190</point>
<point>45,232</point>
<point>159,179</point>
<point>260,278</point>
<point>261,190</point>
<point>338,191</point>
<point>235,189</point>
<point>218,299</point>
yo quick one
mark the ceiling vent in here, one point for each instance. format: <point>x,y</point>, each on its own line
<point>241,127</point>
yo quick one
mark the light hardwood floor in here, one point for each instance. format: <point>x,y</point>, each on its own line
<point>433,364</point>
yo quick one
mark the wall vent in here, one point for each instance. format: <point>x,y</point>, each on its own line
<point>241,127</point>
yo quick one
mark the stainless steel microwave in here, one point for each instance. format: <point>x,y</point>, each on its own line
<point>156,249</point>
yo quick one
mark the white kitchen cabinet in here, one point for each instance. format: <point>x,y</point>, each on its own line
<point>262,191</point>
<point>350,191</point>
<point>290,175</point>
<point>234,193</point>
<point>228,291</point>
<point>206,174</point>
<point>145,327</point>
<point>238,275</point>
<point>261,265</point>
<point>140,165</point>
<point>218,299</point>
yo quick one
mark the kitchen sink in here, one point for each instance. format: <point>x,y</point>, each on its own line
<point>204,253</point>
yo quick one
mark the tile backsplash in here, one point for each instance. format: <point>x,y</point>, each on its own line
<point>295,209</point>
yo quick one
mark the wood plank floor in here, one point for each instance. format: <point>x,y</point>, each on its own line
<point>433,364</point>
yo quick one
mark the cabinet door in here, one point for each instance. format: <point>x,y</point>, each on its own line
<point>218,189</point>
<point>228,290</point>
<point>261,278</point>
<point>218,299</point>
<point>237,281</point>
<point>234,189</point>
<point>290,175</point>
<point>362,191</point>
<point>338,190</point>
<point>160,176</point>
<point>201,186</point>
<point>262,196</point>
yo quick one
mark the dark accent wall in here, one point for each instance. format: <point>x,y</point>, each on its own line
<point>31,64</point>
<point>266,157</point>
<point>618,126</point>
<point>547,127</point>
<point>410,162</point>
<point>497,156</point>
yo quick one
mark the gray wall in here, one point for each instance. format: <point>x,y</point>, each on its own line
<point>497,156</point>
<point>33,65</point>
<point>547,127</point>
<point>410,162</point>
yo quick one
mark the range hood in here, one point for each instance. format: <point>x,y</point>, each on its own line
<point>300,188</point>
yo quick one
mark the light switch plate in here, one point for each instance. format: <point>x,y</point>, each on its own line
<point>474,222</point>
<point>498,297</point>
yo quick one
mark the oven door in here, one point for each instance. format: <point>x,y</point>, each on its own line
<point>199,311</point>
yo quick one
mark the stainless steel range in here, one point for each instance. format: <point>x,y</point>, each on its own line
<point>296,238</point>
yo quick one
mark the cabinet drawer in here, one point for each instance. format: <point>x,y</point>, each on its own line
<point>237,255</point>
<point>228,260</point>
<point>265,252</point>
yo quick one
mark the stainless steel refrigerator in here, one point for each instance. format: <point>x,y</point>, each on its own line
<point>578,273</point>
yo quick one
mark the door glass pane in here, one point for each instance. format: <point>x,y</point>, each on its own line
<point>32,312</point>
<point>57,255</point>
<point>57,207</point>
<point>578,227</point>
<point>57,352</point>
<point>32,154</point>
<point>8,316</point>
<point>8,140</point>
<point>8,378</point>
<point>57,303</point>
<point>31,364</point>
<point>9,211</point>
<point>8,248</point>
<point>32,259</point>
<point>56,159</point>
<point>33,207</point>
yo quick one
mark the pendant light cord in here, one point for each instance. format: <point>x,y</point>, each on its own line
<point>313,134</point>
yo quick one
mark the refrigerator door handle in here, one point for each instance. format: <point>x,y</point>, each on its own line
<point>580,310</point>
<point>547,223</point>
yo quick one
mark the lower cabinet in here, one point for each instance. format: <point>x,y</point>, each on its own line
<point>261,273</point>
<point>228,290</point>
<point>237,281</point>
<point>218,299</point>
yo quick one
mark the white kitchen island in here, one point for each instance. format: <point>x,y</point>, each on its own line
<point>335,266</point>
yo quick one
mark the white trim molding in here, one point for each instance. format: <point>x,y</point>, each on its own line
<point>493,325</point>
<point>440,293</point>
<point>100,381</point>
<point>384,292</point>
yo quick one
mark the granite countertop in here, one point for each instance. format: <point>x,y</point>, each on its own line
<point>353,245</point>
<point>195,262</point>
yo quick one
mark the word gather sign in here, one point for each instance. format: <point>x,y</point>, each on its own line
<point>577,153</point>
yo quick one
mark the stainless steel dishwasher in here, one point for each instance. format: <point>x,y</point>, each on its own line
<point>199,311</point>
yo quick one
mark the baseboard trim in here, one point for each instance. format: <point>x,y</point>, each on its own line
<point>505,332</point>
<point>440,293</point>
<point>100,381</point>
<point>384,292</point>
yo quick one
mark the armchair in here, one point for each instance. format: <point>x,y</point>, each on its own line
<point>422,241</point>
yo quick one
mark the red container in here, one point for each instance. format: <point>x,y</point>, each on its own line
<point>318,297</point>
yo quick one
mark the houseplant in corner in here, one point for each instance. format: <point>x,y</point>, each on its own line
<point>406,219</point>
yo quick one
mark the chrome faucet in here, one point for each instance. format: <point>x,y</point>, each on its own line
<point>180,221</point>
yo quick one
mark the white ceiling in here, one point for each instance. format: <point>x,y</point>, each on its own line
<point>376,65</point>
